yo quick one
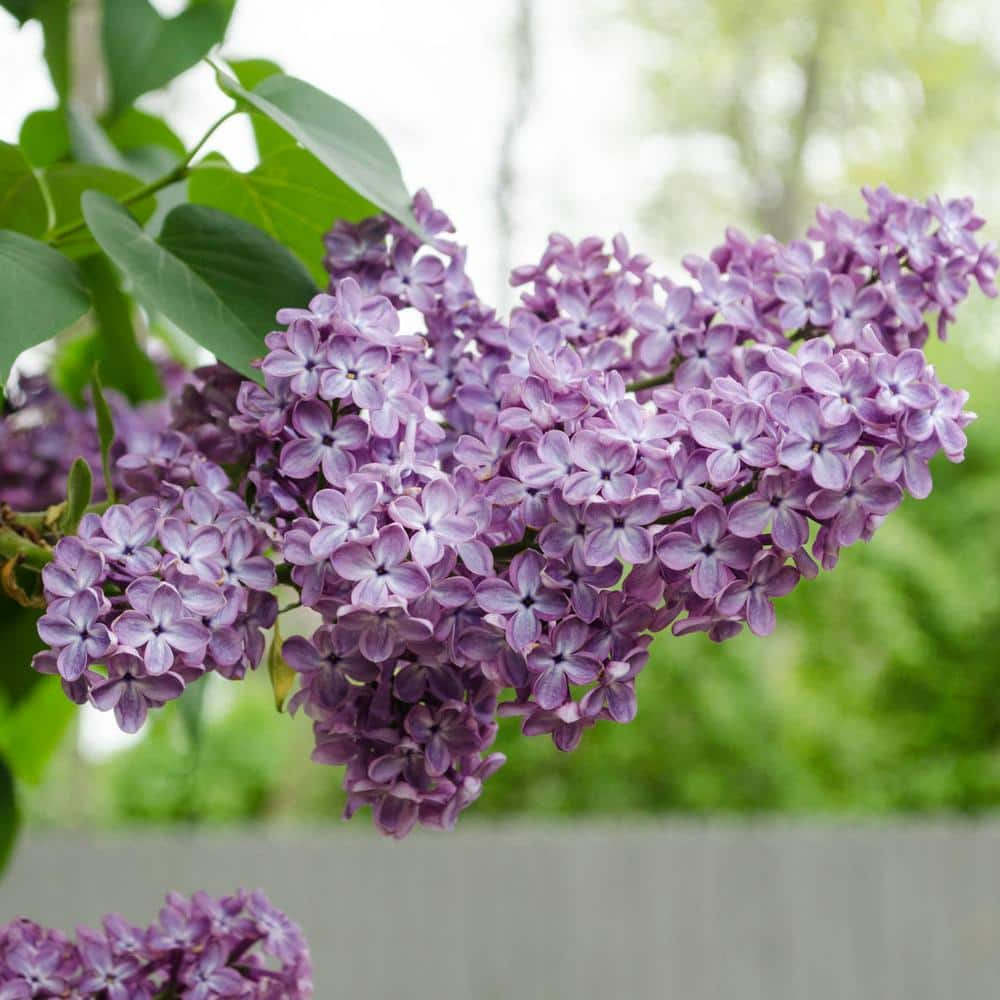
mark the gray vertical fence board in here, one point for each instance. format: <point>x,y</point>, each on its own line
<point>758,911</point>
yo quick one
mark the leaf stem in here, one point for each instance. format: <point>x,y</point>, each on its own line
<point>807,332</point>
<point>729,498</point>
<point>15,546</point>
<point>172,176</point>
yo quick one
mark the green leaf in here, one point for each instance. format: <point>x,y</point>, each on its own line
<point>290,195</point>
<point>44,137</point>
<point>54,17</point>
<point>18,626</point>
<point>66,183</point>
<point>41,294</point>
<point>124,365</point>
<point>347,143</point>
<point>281,674</point>
<point>105,429</point>
<point>31,734</point>
<point>21,9</point>
<point>214,276</point>
<point>148,145</point>
<point>135,141</point>
<point>79,488</point>
<point>22,203</point>
<point>135,129</point>
<point>191,708</point>
<point>10,817</point>
<point>145,51</point>
<point>268,136</point>
<point>89,142</point>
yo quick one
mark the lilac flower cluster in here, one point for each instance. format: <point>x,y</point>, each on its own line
<point>158,591</point>
<point>199,949</point>
<point>493,517</point>
<point>41,433</point>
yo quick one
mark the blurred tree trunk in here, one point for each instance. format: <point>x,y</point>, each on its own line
<point>780,188</point>
<point>523,51</point>
<point>784,217</point>
<point>88,83</point>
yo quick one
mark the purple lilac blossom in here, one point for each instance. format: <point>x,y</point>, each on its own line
<point>492,517</point>
<point>199,948</point>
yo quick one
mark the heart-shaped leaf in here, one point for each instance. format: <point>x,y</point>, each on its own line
<point>41,294</point>
<point>89,142</point>
<point>268,136</point>
<point>66,183</point>
<point>44,137</point>
<point>112,344</point>
<point>214,276</point>
<point>22,204</point>
<point>135,129</point>
<point>21,9</point>
<point>290,195</point>
<point>19,628</point>
<point>54,18</point>
<point>336,134</point>
<point>145,51</point>
<point>33,731</point>
<point>124,365</point>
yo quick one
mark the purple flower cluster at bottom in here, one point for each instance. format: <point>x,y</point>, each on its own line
<point>200,948</point>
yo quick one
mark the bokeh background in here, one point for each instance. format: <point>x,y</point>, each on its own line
<point>879,692</point>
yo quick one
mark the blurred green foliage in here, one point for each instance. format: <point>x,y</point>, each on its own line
<point>765,107</point>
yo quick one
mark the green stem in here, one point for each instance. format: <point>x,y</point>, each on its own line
<point>45,520</point>
<point>172,176</point>
<point>743,491</point>
<point>808,332</point>
<point>15,546</point>
<point>654,380</point>
<point>650,383</point>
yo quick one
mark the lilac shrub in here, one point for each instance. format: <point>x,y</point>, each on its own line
<point>199,948</point>
<point>494,517</point>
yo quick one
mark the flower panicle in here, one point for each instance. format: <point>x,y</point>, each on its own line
<point>492,516</point>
